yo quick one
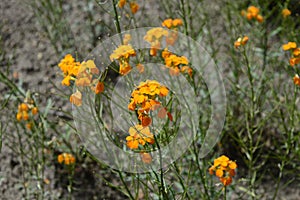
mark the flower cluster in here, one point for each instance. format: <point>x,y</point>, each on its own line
<point>143,99</point>
<point>296,80</point>
<point>70,69</point>
<point>292,46</point>
<point>176,64</point>
<point>85,77</point>
<point>26,111</point>
<point>134,7</point>
<point>154,37</point>
<point>285,13</point>
<point>139,135</point>
<point>123,54</point>
<point>253,13</point>
<point>66,158</point>
<point>224,169</point>
<point>241,41</point>
<point>172,24</point>
<point>82,74</point>
<point>295,59</point>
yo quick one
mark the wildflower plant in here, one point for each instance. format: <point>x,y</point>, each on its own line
<point>147,123</point>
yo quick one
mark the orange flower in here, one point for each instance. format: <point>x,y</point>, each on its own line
<point>188,70</point>
<point>122,54</point>
<point>145,120</point>
<point>252,13</point>
<point>83,81</point>
<point>25,116</point>
<point>66,63</point>
<point>123,51</point>
<point>241,41</point>
<point>85,74</point>
<point>23,107</point>
<point>296,52</point>
<point>285,13</point>
<point>219,173</point>
<point>132,142</point>
<point>167,23</point>
<point>134,7</point>
<point>289,45</point>
<point>226,180</point>
<point>172,23</point>
<point>176,64</point>
<point>224,169</point>
<point>296,80</point>
<point>154,36</point>
<point>124,68</point>
<point>172,35</point>
<point>66,158</point>
<point>76,98</point>
<point>166,53</point>
<point>143,100</point>
<point>70,68</point>
<point>139,135</point>
<point>89,67</point>
<point>66,80</point>
<point>60,158</point>
<point>294,61</point>
<point>177,22</point>
<point>163,91</point>
<point>19,116</point>
<point>131,105</point>
<point>260,18</point>
<point>99,87</point>
<point>34,110</point>
<point>122,3</point>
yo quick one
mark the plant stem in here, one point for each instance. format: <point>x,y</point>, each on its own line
<point>125,185</point>
<point>250,125</point>
<point>162,185</point>
<point>117,23</point>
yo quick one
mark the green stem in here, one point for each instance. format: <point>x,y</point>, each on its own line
<point>186,31</point>
<point>118,27</point>
<point>162,185</point>
<point>202,178</point>
<point>250,125</point>
<point>70,177</point>
<point>225,192</point>
<point>125,185</point>
<point>181,181</point>
<point>22,164</point>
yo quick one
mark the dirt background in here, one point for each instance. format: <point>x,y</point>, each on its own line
<point>33,62</point>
